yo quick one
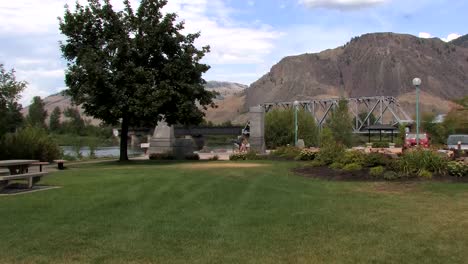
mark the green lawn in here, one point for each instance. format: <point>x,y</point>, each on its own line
<point>175,213</point>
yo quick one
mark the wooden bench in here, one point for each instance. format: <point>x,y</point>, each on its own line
<point>32,178</point>
<point>60,163</point>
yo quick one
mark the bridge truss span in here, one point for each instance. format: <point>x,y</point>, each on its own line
<point>365,111</point>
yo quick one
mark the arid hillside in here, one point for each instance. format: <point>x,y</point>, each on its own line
<point>370,65</point>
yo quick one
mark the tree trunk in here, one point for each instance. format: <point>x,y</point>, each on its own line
<point>124,140</point>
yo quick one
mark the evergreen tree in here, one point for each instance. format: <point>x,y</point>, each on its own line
<point>133,68</point>
<point>340,124</point>
<point>37,114</point>
<point>54,122</point>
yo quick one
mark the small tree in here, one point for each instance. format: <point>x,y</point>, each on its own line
<point>340,124</point>
<point>54,122</point>
<point>10,89</point>
<point>37,114</point>
<point>279,128</point>
<point>75,124</point>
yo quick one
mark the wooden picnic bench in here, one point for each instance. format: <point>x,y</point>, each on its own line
<point>19,170</point>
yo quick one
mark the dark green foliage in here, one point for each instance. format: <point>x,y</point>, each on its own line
<point>458,169</point>
<point>162,156</point>
<point>317,163</point>
<point>289,153</point>
<point>330,150</point>
<point>336,166</point>
<point>10,89</point>
<point>412,163</point>
<point>238,156</point>
<point>54,122</point>
<point>437,131</point>
<point>391,175</point>
<point>377,171</point>
<point>36,113</point>
<point>353,156</point>
<point>340,123</point>
<point>29,143</point>
<point>376,159</point>
<point>133,68</point>
<point>380,144</point>
<point>362,116</point>
<point>352,167</point>
<point>279,128</point>
<point>75,124</point>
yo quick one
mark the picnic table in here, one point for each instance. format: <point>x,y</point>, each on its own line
<point>19,170</point>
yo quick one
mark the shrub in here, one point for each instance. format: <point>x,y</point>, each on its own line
<point>375,159</point>
<point>306,154</point>
<point>238,156</point>
<point>380,144</point>
<point>352,167</point>
<point>287,152</point>
<point>330,150</point>
<point>252,155</point>
<point>413,162</point>
<point>390,175</point>
<point>336,166</point>
<point>317,163</point>
<point>425,174</point>
<point>458,169</point>
<point>353,156</point>
<point>377,171</point>
<point>29,143</point>
<point>193,156</point>
<point>162,156</point>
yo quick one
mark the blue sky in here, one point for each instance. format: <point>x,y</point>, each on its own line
<point>247,37</point>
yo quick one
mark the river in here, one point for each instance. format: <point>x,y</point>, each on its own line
<point>101,152</point>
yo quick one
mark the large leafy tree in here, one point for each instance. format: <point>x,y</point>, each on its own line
<point>133,67</point>
<point>10,89</point>
<point>36,113</point>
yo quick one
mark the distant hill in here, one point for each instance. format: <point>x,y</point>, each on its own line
<point>461,41</point>
<point>370,65</point>
<point>230,101</point>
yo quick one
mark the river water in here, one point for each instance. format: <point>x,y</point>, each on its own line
<point>101,152</point>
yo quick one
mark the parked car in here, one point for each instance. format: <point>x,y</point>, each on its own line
<point>424,140</point>
<point>453,140</point>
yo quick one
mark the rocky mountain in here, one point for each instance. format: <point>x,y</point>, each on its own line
<point>370,65</point>
<point>230,102</point>
<point>461,41</point>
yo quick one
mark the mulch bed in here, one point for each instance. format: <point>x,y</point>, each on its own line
<point>18,188</point>
<point>328,174</point>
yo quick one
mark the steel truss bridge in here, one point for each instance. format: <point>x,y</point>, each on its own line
<point>383,108</point>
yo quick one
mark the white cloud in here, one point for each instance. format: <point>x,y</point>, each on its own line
<point>341,4</point>
<point>230,42</point>
<point>449,38</point>
<point>425,35</point>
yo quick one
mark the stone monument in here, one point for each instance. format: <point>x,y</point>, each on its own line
<point>163,139</point>
<point>257,129</point>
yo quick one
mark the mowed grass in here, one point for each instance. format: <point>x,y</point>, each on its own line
<point>178,213</point>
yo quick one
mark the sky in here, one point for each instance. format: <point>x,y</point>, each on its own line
<point>247,37</point>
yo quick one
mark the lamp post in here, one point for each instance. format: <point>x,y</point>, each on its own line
<point>417,84</point>
<point>296,104</point>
